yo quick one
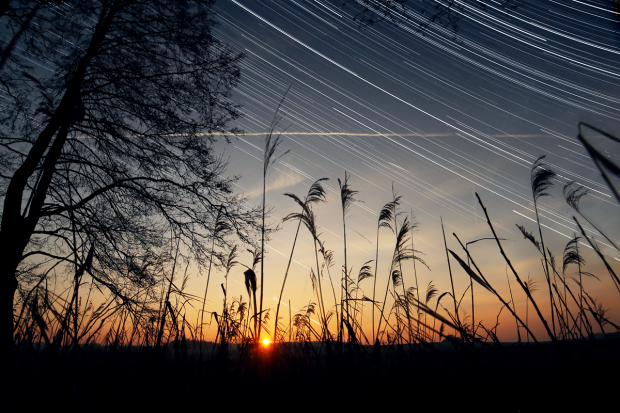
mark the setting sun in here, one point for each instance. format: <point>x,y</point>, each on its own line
<point>266,341</point>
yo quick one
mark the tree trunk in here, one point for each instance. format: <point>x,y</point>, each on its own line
<point>15,228</point>
<point>8,286</point>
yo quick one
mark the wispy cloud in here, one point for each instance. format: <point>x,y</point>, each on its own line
<point>277,182</point>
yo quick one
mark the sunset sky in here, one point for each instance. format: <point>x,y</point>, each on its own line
<point>438,118</point>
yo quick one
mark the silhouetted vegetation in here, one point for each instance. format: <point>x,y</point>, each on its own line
<point>111,153</point>
<point>155,345</point>
<point>111,186</point>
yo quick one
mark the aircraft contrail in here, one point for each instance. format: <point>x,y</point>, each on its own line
<point>378,135</point>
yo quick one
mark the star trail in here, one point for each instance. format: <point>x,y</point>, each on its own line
<point>439,114</point>
<point>234,199</point>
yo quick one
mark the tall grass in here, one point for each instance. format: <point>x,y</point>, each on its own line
<point>401,253</point>
<point>542,180</point>
<point>316,194</point>
<point>308,218</point>
<point>269,158</point>
<point>220,228</point>
<point>347,199</point>
<point>157,317</point>
<point>385,221</point>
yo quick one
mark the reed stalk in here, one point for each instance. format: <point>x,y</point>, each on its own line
<point>163,317</point>
<point>511,299</point>
<point>595,247</point>
<point>401,253</point>
<point>480,279</point>
<point>316,194</point>
<point>269,158</point>
<point>288,266</point>
<point>521,284</point>
<point>573,196</point>
<point>347,199</point>
<point>415,273</point>
<point>400,266</point>
<point>385,218</point>
<point>541,181</point>
<point>456,311</point>
<point>327,263</point>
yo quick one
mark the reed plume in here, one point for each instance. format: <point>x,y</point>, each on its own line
<point>401,253</point>
<point>573,196</point>
<point>221,227</point>
<point>308,218</point>
<point>251,284</point>
<point>385,221</point>
<point>541,179</point>
<point>573,256</point>
<point>316,194</point>
<point>347,198</point>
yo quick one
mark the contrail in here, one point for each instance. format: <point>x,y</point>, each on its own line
<point>378,135</point>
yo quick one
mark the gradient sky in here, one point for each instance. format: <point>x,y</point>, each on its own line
<point>440,119</point>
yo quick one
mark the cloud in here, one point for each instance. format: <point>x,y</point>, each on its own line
<point>277,182</point>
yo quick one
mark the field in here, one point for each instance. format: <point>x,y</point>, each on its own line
<point>439,377</point>
<point>148,357</point>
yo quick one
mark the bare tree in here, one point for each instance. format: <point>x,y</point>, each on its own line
<point>114,109</point>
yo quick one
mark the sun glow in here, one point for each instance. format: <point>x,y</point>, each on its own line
<point>266,341</point>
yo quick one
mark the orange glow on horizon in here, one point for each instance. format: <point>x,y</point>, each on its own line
<point>266,341</point>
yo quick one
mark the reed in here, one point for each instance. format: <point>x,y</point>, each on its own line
<point>269,158</point>
<point>347,200</point>
<point>415,272</point>
<point>308,217</point>
<point>541,178</point>
<point>384,221</point>
<point>573,196</point>
<point>156,318</point>
<point>316,194</point>
<point>401,253</point>
<point>456,312</point>
<point>220,228</point>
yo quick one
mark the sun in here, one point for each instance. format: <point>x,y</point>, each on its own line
<point>266,341</point>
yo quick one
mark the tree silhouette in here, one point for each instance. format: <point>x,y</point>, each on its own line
<point>115,108</point>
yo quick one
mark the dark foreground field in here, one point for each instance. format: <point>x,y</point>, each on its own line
<point>440,377</point>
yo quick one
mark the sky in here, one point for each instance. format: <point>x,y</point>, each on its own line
<point>437,118</point>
